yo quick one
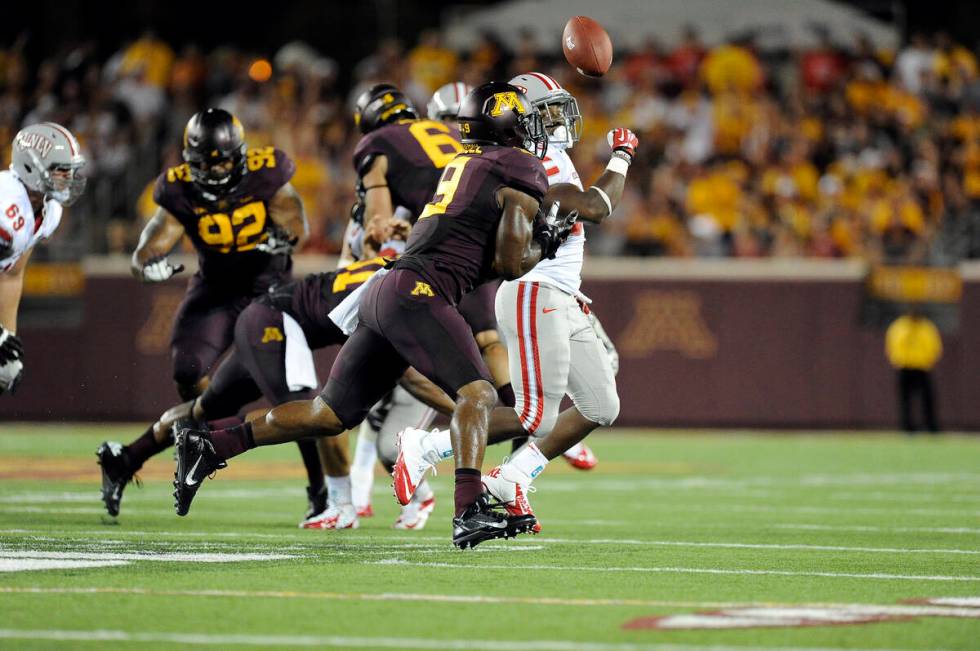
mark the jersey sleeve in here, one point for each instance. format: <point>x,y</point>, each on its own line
<point>368,148</point>
<point>525,172</point>
<point>167,194</point>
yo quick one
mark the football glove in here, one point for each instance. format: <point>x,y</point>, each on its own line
<point>159,269</point>
<point>11,360</point>
<point>624,141</point>
<point>278,243</point>
<point>550,231</point>
<point>11,347</point>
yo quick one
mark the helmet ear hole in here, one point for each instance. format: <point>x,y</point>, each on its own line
<point>28,168</point>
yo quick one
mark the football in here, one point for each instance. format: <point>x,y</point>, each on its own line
<point>587,46</point>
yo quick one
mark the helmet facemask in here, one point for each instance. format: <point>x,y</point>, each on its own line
<point>64,183</point>
<point>215,177</point>
<point>535,134</point>
<point>562,119</point>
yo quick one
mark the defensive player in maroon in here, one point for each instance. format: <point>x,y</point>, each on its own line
<point>244,218</point>
<point>480,224</point>
<point>260,366</point>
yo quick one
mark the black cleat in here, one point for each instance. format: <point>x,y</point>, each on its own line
<point>196,460</point>
<point>478,523</point>
<point>115,474</point>
<point>518,524</point>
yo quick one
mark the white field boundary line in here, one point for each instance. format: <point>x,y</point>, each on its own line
<point>383,544</point>
<point>340,641</point>
<point>393,596</point>
<point>679,570</point>
<point>871,528</point>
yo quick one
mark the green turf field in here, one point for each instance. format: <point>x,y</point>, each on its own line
<point>840,526</point>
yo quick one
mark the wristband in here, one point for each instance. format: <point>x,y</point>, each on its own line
<point>618,163</point>
<point>605,197</point>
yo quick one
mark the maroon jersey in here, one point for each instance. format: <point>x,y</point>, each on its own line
<point>453,243</point>
<point>225,232</point>
<point>417,151</point>
<point>318,294</point>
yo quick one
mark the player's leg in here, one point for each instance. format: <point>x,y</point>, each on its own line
<point>340,512</point>
<point>366,368</point>
<point>203,330</point>
<point>366,456</point>
<point>406,411</point>
<point>478,310</point>
<point>533,319</point>
<point>275,357</point>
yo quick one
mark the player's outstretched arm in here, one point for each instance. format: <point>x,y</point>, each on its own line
<point>286,210</point>
<point>516,252</point>
<point>425,391</point>
<point>598,202</point>
<point>159,237</point>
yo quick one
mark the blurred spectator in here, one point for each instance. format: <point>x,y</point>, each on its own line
<point>828,152</point>
<point>913,346</point>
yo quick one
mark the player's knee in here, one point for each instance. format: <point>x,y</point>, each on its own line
<point>190,364</point>
<point>542,426</point>
<point>479,394</point>
<point>602,408</point>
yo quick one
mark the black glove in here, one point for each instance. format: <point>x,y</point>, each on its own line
<point>11,347</point>
<point>550,230</point>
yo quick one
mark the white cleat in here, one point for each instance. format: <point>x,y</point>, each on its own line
<point>412,464</point>
<point>513,496</point>
<point>343,516</point>
<point>415,514</point>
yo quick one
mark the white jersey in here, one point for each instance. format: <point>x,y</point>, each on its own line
<point>18,224</point>
<point>565,271</point>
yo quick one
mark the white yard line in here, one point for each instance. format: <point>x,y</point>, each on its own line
<point>869,528</point>
<point>390,543</point>
<point>361,642</point>
<point>385,596</point>
<point>679,570</point>
<point>434,542</point>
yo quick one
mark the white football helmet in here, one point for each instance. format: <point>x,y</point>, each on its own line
<point>47,159</point>
<point>558,108</point>
<point>445,101</point>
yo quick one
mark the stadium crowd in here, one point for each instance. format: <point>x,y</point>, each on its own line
<point>842,150</point>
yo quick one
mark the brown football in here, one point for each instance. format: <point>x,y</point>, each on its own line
<point>587,46</point>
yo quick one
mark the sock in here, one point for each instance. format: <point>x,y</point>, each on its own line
<point>506,395</point>
<point>574,450</point>
<point>311,461</point>
<point>527,464</point>
<point>339,489</point>
<point>362,468</point>
<point>439,443</point>
<point>145,447</point>
<point>518,443</point>
<point>469,486</point>
<point>423,492</point>
<point>233,441</point>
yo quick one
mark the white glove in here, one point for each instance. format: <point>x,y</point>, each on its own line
<point>277,243</point>
<point>12,369</point>
<point>158,270</point>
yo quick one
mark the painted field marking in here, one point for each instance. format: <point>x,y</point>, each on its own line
<point>31,564</point>
<point>360,642</point>
<point>383,544</point>
<point>870,528</point>
<point>680,570</point>
<point>170,557</point>
<point>384,596</point>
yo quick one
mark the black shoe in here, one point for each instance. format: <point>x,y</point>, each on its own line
<point>478,523</point>
<point>196,459</point>
<point>318,502</point>
<point>518,524</point>
<point>186,422</point>
<point>116,474</point>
